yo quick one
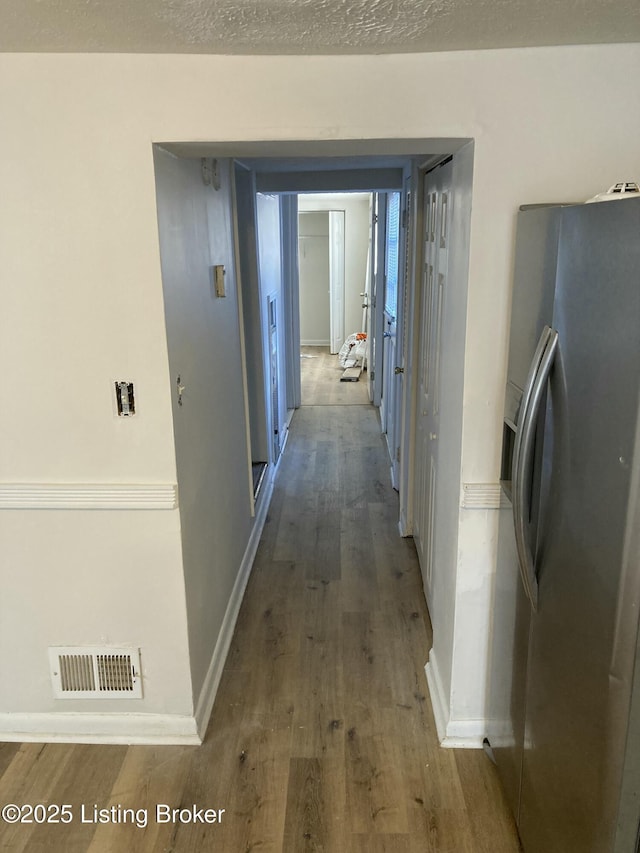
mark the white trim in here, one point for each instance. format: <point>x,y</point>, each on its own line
<point>309,343</point>
<point>483,496</point>
<point>394,480</point>
<point>465,734</point>
<point>243,344</point>
<point>439,701</point>
<point>209,689</point>
<point>99,728</point>
<point>337,220</point>
<point>403,526</point>
<point>452,734</point>
<point>284,442</point>
<point>88,496</point>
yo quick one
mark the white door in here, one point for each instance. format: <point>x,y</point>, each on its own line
<point>336,279</point>
<point>375,301</point>
<point>392,353</point>
<point>395,430</point>
<point>273,375</point>
<point>437,213</point>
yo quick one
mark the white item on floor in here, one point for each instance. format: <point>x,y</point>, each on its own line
<point>353,350</point>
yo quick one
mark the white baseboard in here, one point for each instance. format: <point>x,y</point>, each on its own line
<point>207,696</point>
<point>465,734</point>
<point>439,701</point>
<point>321,343</point>
<point>99,728</point>
<point>404,528</point>
<point>284,444</point>
<point>452,734</point>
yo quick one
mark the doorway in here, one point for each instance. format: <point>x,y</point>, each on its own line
<point>316,291</point>
<point>333,248</point>
<point>294,171</point>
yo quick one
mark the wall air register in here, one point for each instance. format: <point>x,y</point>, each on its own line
<point>91,672</point>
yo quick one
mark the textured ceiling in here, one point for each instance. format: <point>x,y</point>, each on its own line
<point>310,26</point>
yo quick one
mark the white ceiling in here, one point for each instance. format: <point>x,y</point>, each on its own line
<point>310,26</point>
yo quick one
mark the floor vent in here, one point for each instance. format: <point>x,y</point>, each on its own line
<point>89,672</point>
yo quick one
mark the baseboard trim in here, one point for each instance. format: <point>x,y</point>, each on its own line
<point>404,528</point>
<point>452,734</point>
<point>207,696</point>
<point>465,734</point>
<point>144,729</point>
<point>439,701</point>
<point>321,343</point>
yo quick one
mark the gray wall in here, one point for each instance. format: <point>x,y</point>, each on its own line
<point>251,311</point>
<point>203,334</point>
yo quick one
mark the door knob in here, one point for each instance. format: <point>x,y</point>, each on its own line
<point>433,436</point>
<point>398,370</point>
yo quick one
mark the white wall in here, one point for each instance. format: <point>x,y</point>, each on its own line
<point>93,577</point>
<point>356,235</point>
<point>82,295</point>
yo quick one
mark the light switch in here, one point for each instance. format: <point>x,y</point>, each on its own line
<point>125,399</point>
<point>218,279</point>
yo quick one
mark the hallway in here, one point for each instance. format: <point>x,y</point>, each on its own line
<point>335,615</point>
<point>322,736</point>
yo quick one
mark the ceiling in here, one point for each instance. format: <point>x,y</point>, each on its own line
<point>309,26</point>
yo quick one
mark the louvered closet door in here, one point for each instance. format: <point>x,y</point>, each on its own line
<point>437,196</point>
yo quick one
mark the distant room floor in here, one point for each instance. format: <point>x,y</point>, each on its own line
<point>320,379</point>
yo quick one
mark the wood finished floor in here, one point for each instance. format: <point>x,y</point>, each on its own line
<point>322,736</point>
<point>320,380</point>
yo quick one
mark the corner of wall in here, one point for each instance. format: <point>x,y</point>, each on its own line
<point>452,733</point>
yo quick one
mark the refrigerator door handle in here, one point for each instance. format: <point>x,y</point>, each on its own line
<point>523,449</point>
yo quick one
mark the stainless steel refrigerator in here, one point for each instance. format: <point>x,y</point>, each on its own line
<point>564,707</point>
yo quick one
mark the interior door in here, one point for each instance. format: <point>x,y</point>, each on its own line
<point>387,343</point>
<point>366,299</point>
<point>336,279</point>
<point>398,364</point>
<point>392,350</point>
<point>273,375</point>
<point>375,301</point>
<point>437,193</point>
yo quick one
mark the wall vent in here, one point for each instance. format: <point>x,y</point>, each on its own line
<point>90,672</point>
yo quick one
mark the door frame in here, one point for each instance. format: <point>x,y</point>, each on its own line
<point>375,366</point>
<point>337,250</point>
<point>402,325</point>
<point>291,298</point>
